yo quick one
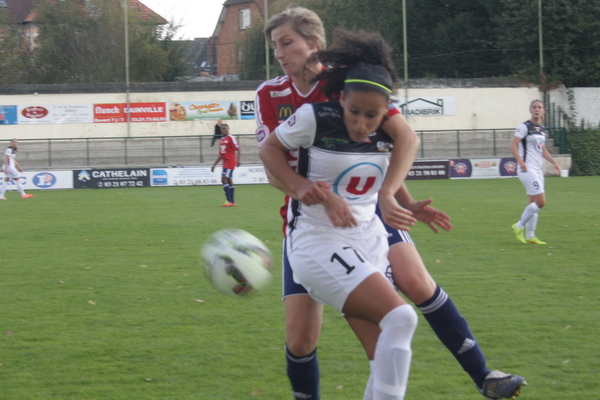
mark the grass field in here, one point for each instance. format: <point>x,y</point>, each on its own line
<point>102,296</point>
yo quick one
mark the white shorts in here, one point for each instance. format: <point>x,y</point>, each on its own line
<point>331,267</point>
<point>11,172</point>
<point>533,180</point>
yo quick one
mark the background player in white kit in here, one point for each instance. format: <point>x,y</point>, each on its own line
<point>11,169</point>
<point>528,146</point>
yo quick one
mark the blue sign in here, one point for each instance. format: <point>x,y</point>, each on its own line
<point>8,115</point>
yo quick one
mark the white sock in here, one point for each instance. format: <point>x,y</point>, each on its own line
<point>20,187</point>
<point>3,188</point>
<point>393,353</point>
<point>531,225</point>
<point>369,389</point>
<point>531,209</point>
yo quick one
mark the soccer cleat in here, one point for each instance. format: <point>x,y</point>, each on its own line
<point>226,204</point>
<point>534,240</point>
<point>498,385</point>
<point>27,195</point>
<point>2,198</point>
<point>232,204</point>
<point>519,233</point>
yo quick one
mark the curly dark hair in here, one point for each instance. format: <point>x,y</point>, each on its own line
<point>350,49</point>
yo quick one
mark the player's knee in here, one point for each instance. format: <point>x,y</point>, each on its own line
<point>300,346</point>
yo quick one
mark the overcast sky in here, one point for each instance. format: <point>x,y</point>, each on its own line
<point>197,17</point>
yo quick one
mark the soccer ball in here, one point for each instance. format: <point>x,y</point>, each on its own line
<point>237,263</point>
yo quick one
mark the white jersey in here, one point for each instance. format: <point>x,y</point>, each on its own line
<point>12,156</point>
<point>531,147</point>
<point>354,171</point>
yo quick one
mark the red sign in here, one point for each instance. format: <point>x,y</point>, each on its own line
<point>34,112</point>
<point>138,112</point>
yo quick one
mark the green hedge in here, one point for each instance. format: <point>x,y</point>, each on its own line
<point>584,146</point>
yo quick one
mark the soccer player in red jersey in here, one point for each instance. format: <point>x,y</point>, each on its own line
<point>228,146</point>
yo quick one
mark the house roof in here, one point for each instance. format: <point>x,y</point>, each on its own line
<point>19,9</point>
<point>22,11</point>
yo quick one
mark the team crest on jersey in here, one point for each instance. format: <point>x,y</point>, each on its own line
<point>261,133</point>
<point>362,179</point>
<point>284,111</point>
<point>539,144</point>
<point>281,93</point>
<point>384,146</point>
<point>291,121</point>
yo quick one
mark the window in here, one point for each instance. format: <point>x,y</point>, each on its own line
<point>245,18</point>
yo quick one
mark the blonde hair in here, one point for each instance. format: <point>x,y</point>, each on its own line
<point>303,21</point>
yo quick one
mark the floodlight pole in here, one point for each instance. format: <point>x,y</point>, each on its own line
<point>541,39</point>
<point>125,5</point>
<point>405,45</point>
<point>267,61</point>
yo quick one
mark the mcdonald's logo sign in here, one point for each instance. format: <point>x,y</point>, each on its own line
<point>285,111</point>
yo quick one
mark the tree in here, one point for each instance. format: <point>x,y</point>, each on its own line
<point>82,41</point>
<point>14,53</point>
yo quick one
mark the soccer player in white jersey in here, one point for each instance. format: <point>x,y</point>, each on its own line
<point>336,243</point>
<point>528,146</point>
<point>11,169</point>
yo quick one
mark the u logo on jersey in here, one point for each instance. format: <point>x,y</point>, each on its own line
<point>363,179</point>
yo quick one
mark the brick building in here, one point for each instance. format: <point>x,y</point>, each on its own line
<point>237,16</point>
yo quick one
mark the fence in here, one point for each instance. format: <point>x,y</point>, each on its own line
<point>194,150</point>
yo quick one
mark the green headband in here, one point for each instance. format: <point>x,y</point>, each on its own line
<point>369,82</point>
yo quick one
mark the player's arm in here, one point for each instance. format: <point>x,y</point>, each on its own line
<point>546,154</point>
<point>514,149</point>
<point>422,210</point>
<point>216,162</point>
<point>273,155</point>
<point>406,144</point>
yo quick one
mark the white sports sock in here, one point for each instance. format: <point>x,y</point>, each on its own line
<point>20,187</point>
<point>3,188</point>
<point>393,353</point>
<point>531,225</point>
<point>531,209</point>
<point>369,389</point>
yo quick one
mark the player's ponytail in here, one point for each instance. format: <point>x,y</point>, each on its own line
<point>360,60</point>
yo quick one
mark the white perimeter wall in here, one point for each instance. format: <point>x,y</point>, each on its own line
<point>476,108</point>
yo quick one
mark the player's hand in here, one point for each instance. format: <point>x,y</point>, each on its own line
<point>338,211</point>
<point>431,216</point>
<point>212,169</point>
<point>311,193</point>
<point>523,167</point>
<point>394,215</point>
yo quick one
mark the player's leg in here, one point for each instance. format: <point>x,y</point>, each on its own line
<point>20,187</point>
<point>350,275</point>
<point>231,190</point>
<point>416,283</point>
<point>413,279</point>
<point>303,318</point>
<point>3,188</point>
<point>225,183</point>
<point>538,201</point>
<point>376,300</point>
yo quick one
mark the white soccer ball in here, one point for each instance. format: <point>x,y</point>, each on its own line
<point>237,262</point>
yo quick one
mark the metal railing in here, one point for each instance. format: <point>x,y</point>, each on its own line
<point>194,150</point>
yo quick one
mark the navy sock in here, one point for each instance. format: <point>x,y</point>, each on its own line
<point>226,190</point>
<point>453,331</point>
<point>304,376</point>
<point>231,191</point>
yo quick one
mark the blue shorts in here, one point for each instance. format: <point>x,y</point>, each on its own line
<point>291,288</point>
<point>227,173</point>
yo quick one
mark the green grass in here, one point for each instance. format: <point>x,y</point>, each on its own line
<point>102,296</point>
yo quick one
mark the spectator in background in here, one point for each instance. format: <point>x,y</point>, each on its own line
<point>218,133</point>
